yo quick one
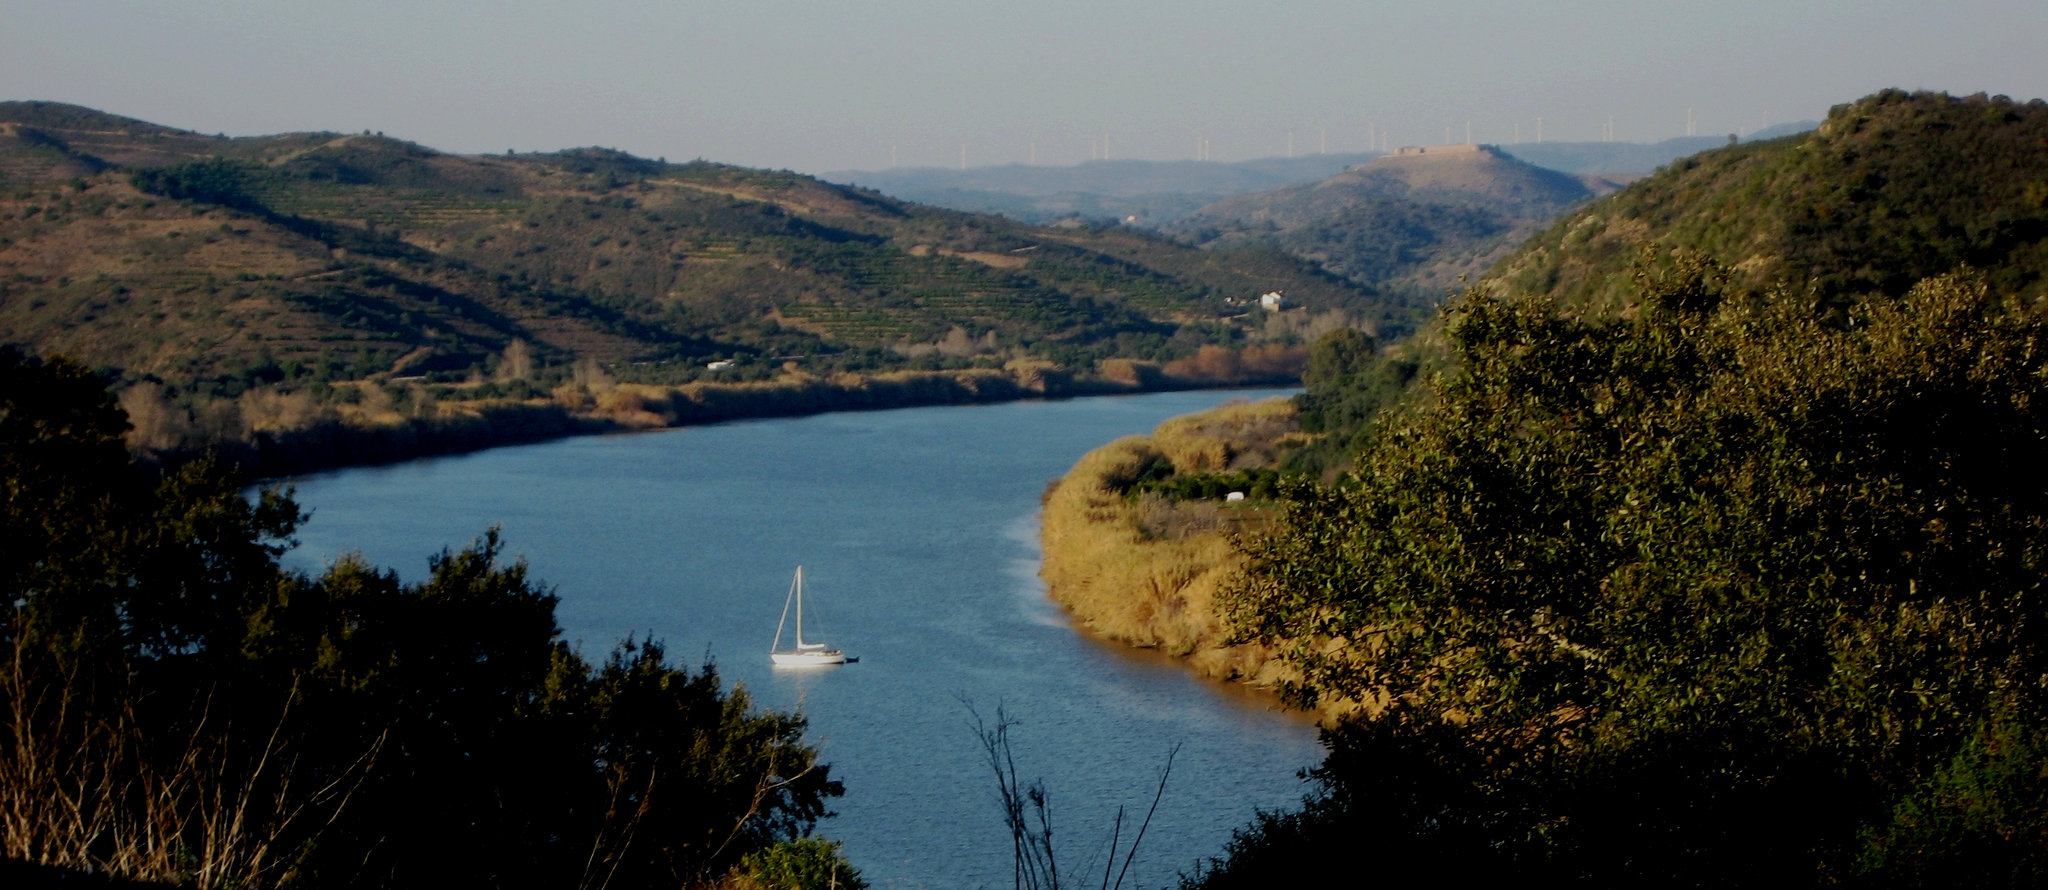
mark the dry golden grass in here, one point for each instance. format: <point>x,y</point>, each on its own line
<point>998,260</point>
<point>1147,572</point>
<point>1126,372</point>
<point>89,792</point>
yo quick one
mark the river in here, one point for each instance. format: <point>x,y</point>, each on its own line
<point>917,530</point>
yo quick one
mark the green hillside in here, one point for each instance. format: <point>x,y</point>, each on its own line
<point>223,263</point>
<point>1891,190</point>
<point>1697,573</point>
<point>1887,191</point>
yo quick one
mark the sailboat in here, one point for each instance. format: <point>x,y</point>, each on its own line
<point>806,653</point>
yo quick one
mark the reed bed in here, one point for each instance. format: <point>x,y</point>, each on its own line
<point>1146,571</point>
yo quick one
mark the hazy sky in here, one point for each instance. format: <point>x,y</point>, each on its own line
<point>828,84</point>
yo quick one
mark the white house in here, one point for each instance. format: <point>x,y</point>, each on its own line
<point>1272,300</point>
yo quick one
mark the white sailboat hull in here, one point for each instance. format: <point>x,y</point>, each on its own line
<point>805,654</point>
<point>807,659</point>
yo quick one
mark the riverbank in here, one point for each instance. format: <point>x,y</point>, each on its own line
<point>271,435</point>
<point>1147,570</point>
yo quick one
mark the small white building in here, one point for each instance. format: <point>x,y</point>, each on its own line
<point>1272,300</point>
<point>720,365</point>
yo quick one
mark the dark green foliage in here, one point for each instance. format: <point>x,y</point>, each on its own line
<point>802,864</point>
<point>694,780</point>
<point>179,708</point>
<point>60,433</point>
<point>1408,797</point>
<point>1710,594</point>
<point>1338,356</point>
<point>1977,821</point>
<point>1259,484</point>
<point>211,181</point>
<point>1157,468</point>
<point>1382,239</point>
<point>1891,189</point>
<point>1348,383</point>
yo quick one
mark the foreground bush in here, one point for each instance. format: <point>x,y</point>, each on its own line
<point>175,707</point>
<point>1718,592</point>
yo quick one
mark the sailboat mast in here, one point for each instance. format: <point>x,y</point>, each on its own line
<point>806,652</point>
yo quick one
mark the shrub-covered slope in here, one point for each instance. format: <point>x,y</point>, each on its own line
<point>1888,190</point>
<point>1703,575</point>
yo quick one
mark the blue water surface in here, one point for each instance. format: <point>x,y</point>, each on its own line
<point>917,530</point>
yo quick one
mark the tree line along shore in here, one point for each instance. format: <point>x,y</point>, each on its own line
<point>270,434</point>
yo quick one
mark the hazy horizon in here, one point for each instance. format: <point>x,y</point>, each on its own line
<point>917,83</point>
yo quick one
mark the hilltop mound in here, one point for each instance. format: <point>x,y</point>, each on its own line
<point>1410,222</point>
<point>1887,191</point>
<point>1474,175</point>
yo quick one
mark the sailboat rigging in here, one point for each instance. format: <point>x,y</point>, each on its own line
<point>806,653</point>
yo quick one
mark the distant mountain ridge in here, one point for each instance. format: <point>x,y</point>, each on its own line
<point>1410,222</point>
<point>1143,193</point>
<point>1117,178</point>
<point>1156,194</point>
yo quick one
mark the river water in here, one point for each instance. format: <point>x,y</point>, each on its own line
<point>917,530</point>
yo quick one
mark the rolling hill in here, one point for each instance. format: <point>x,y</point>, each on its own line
<point>220,264</point>
<point>1889,190</point>
<point>1409,223</point>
